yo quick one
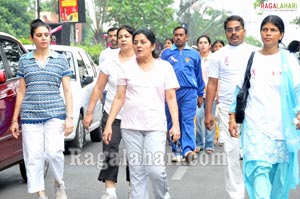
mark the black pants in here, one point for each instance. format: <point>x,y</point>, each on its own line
<point>111,160</point>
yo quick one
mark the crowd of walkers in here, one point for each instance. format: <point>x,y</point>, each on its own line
<point>184,95</point>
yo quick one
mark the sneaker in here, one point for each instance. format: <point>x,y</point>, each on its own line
<point>176,157</point>
<point>197,150</point>
<point>209,151</point>
<point>167,196</point>
<point>107,196</point>
<point>190,157</point>
<point>60,192</point>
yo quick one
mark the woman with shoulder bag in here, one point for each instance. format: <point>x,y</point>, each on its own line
<point>270,130</point>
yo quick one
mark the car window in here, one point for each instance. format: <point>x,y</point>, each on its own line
<point>12,52</point>
<point>88,63</point>
<point>83,72</point>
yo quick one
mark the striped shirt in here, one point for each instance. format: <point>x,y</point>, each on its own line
<point>42,100</point>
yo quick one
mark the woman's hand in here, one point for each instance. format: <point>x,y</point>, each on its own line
<point>69,126</point>
<point>14,129</point>
<point>209,122</point>
<point>175,133</point>
<point>233,130</point>
<point>107,133</point>
<point>87,120</point>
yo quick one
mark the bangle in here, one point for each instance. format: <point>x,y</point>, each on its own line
<point>14,121</point>
<point>232,120</point>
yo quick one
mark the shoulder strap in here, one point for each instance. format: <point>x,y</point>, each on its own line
<point>248,73</point>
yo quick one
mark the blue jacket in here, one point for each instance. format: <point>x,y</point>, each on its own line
<point>187,66</point>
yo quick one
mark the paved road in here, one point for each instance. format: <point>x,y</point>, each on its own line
<point>202,180</point>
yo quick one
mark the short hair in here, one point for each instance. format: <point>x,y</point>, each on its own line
<point>234,18</point>
<point>149,35</point>
<point>112,29</point>
<point>129,29</point>
<point>204,36</point>
<point>294,46</point>
<point>169,39</point>
<point>180,27</point>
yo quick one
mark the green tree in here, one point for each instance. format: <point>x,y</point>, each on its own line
<point>201,19</point>
<point>156,15</point>
<point>49,5</point>
<point>15,17</point>
<point>97,13</point>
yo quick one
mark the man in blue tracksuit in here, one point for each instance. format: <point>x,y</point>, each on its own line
<point>187,66</point>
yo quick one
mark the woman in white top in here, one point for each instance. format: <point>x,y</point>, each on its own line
<point>270,133</point>
<point>204,137</point>
<point>108,76</point>
<point>143,88</point>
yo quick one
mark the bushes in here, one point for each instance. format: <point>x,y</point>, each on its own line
<point>93,50</point>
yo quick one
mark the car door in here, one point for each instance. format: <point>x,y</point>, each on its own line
<point>11,148</point>
<point>90,71</point>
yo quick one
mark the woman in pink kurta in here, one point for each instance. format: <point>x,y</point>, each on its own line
<point>144,86</point>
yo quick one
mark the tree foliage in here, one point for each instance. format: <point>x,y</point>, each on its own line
<point>97,12</point>
<point>201,19</point>
<point>15,17</point>
<point>156,15</point>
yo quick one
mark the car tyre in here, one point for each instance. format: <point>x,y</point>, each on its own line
<point>79,140</point>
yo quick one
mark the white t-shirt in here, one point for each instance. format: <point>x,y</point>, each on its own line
<point>263,108</point>
<point>107,53</point>
<point>204,67</point>
<point>144,106</point>
<point>228,64</point>
<point>112,67</point>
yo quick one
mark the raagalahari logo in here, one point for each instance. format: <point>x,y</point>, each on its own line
<point>278,6</point>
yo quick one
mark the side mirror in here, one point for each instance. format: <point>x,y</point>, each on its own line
<point>86,80</point>
<point>2,76</point>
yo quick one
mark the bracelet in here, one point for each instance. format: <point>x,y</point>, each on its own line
<point>14,121</point>
<point>232,120</point>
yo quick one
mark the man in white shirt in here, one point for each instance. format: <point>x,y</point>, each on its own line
<point>113,49</point>
<point>227,65</point>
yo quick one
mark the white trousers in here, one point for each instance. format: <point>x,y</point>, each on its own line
<point>145,153</point>
<point>233,174</point>
<point>43,141</point>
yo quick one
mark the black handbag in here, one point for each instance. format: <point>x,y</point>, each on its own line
<point>241,98</point>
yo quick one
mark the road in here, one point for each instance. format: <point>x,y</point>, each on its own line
<point>204,179</point>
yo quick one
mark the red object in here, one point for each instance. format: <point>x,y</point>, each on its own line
<point>54,30</point>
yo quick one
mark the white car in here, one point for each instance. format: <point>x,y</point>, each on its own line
<point>82,83</point>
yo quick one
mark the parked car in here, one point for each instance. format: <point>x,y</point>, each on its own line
<point>82,84</point>
<point>11,152</point>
